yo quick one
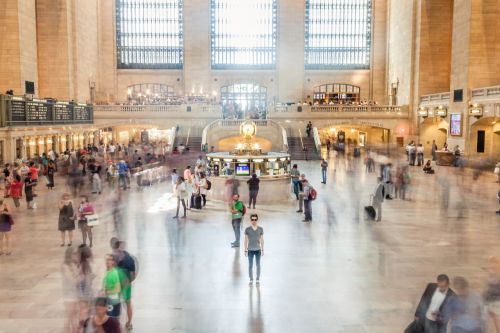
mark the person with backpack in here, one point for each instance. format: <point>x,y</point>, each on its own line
<point>238,210</point>
<point>309,195</point>
<point>127,264</point>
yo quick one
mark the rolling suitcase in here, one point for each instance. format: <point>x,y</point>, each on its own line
<point>197,201</point>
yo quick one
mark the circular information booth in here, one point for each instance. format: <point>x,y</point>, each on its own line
<point>230,171</point>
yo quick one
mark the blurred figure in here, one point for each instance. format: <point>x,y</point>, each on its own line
<point>69,284</point>
<point>253,190</point>
<point>237,212</point>
<point>306,194</point>
<point>181,194</point>
<point>6,223</point>
<point>387,179</point>
<point>66,219</point>
<point>434,305</point>
<point>428,168</point>
<point>118,213</point>
<point>101,322</point>
<point>16,190</point>
<point>254,246</point>
<point>445,193</point>
<point>301,193</point>
<point>466,309</point>
<point>84,279</point>
<point>324,169</point>
<point>28,191</point>
<point>492,293</point>
<point>378,199</point>
<point>203,188</point>
<point>126,263</point>
<point>295,174</point>
<point>496,171</point>
<point>498,198</point>
<point>51,169</point>
<point>420,155</point>
<point>434,148</point>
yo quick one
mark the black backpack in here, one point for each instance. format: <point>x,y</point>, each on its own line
<point>209,185</point>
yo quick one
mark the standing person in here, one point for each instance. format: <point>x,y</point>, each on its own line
<point>308,129</point>
<point>181,194</point>
<point>387,178</point>
<point>328,145</point>
<point>466,309</point>
<point>5,228</point>
<point>123,170</point>
<point>51,169</point>
<point>84,279</point>
<point>307,201</point>
<point>7,180</point>
<point>86,208</point>
<point>420,155</point>
<point>16,190</point>
<point>434,305</point>
<point>66,219</point>
<point>324,169</point>
<point>112,286</point>
<point>295,174</point>
<point>126,263</point>
<point>237,209</point>
<point>189,183</point>
<point>28,191</point>
<point>100,322</point>
<point>204,188</point>
<point>174,177</point>
<point>413,153</point>
<point>69,276</point>
<point>254,246</point>
<point>434,149</point>
<point>253,190</point>
<point>378,199</point>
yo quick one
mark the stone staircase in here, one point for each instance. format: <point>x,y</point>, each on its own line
<point>194,143</point>
<point>297,153</point>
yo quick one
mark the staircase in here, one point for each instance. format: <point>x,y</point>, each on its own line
<point>296,152</point>
<point>194,143</point>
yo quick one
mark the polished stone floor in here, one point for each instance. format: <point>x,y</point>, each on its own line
<point>340,273</point>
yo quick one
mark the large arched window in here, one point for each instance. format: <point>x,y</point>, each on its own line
<point>149,34</point>
<point>244,100</point>
<point>243,34</point>
<point>336,93</point>
<point>338,34</point>
<point>150,93</point>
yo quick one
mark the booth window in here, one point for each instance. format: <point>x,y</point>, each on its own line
<point>149,34</point>
<point>243,34</point>
<point>338,34</point>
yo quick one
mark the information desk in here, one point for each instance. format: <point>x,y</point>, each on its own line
<point>227,164</point>
<point>272,189</point>
<point>445,158</point>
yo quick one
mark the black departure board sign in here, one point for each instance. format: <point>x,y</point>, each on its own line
<point>24,112</point>
<point>18,110</point>
<point>62,112</point>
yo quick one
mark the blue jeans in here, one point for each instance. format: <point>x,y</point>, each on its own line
<point>252,254</point>
<point>308,209</point>
<point>323,174</point>
<point>296,184</point>
<point>237,230</point>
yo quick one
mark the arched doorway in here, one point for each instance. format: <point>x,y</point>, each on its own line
<point>356,135</point>
<point>244,100</point>
<point>433,129</point>
<point>485,138</point>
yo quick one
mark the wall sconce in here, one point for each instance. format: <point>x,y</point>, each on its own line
<point>476,110</point>
<point>75,137</point>
<point>63,139</point>
<point>40,142</point>
<point>91,136</point>
<point>423,112</point>
<point>352,130</point>
<point>441,111</point>
<point>81,137</point>
<point>32,142</point>
<point>49,141</point>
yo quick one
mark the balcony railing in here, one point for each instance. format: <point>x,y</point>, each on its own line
<point>158,108</point>
<point>359,108</point>
<point>486,92</point>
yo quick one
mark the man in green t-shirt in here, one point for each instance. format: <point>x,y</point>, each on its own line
<point>112,286</point>
<point>236,216</point>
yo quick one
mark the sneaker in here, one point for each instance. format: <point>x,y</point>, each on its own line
<point>300,211</point>
<point>251,282</point>
<point>257,282</point>
<point>235,245</point>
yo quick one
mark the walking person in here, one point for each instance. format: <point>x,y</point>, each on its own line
<point>66,219</point>
<point>204,188</point>
<point>112,287</point>
<point>181,194</point>
<point>6,223</point>
<point>253,190</point>
<point>307,201</point>
<point>434,149</point>
<point>16,190</point>
<point>492,293</point>
<point>126,263</point>
<point>28,191</point>
<point>324,169</point>
<point>466,310</point>
<point>84,280</point>
<point>420,155</point>
<point>86,208</point>
<point>51,169</point>
<point>301,194</point>
<point>295,174</point>
<point>378,199</point>
<point>254,246</point>
<point>434,305</point>
<point>237,208</point>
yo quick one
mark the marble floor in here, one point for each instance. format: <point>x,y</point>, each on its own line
<point>340,273</point>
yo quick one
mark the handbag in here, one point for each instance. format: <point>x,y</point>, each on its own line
<point>92,220</point>
<point>497,170</point>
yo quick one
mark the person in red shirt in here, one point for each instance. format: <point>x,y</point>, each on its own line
<point>34,176</point>
<point>16,190</point>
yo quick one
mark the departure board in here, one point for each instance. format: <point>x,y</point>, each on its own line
<point>38,112</point>
<point>62,112</point>
<point>17,110</point>
<point>81,113</point>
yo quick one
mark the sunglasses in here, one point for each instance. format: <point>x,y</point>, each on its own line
<point>253,220</point>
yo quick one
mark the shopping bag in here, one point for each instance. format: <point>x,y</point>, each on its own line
<point>92,220</point>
